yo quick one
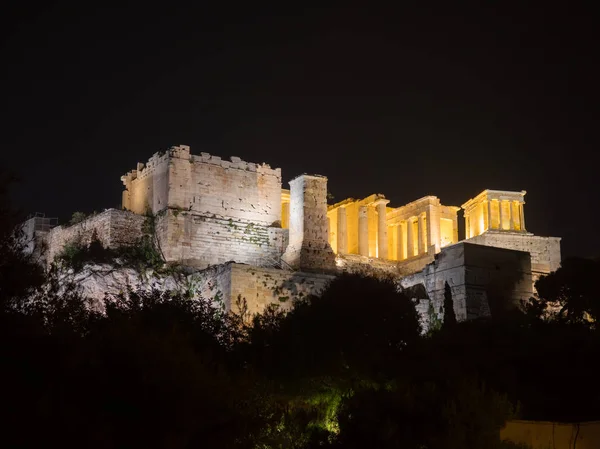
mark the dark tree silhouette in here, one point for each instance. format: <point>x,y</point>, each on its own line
<point>449,314</point>
<point>573,290</point>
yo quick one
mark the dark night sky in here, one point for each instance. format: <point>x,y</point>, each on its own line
<point>406,102</point>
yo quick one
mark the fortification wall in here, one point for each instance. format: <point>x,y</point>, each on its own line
<point>113,228</point>
<point>202,240</point>
<point>147,187</point>
<point>207,185</point>
<point>545,251</point>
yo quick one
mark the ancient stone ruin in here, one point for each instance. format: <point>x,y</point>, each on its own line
<point>249,238</point>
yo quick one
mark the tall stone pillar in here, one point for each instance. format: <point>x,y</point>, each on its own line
<point>489,214</point>
<point>500,215</point>
<point>522,216</point>
<point>410,238</point>
<point>511,215</point>
<point>432,221</point>
<point>382,237</point>
<point>400,241</point>
<point>467,226</point>
<point>285,215</point>
<point>363,231</point>
<point>455,229</point>
<point>342,230</point>
<point>308,247</point>
<point>421,235</point>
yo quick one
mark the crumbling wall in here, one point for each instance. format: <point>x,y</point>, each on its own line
<point>202,240</point>
<point>112,227</point>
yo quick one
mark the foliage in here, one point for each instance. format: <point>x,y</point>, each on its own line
<point>349,369</point>
<point>77,217</point>
<point>572,289</point>
<point>142,255</point>
<point>434,321</point>
<point>449,315</point>
<point>19,272</point>
<point>463,413</point>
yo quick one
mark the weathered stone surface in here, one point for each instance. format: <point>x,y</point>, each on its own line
<point>254,240</point>
<point>112,227</point>
<point>308,247</point>
<point>481,278</point>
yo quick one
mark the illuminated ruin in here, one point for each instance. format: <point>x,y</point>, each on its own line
<point>272,243</point>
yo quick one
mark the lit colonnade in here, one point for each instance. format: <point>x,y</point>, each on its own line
<point>369,227</point>
<point>497,210</point>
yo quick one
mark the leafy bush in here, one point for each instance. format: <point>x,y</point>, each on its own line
<point>77,217</point>
<point>141,255</point>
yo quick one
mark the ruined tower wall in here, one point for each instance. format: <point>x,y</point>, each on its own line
<point>147,187</point>
<point>309,247</point>
<point>206,185</point>
<point>209,185</point>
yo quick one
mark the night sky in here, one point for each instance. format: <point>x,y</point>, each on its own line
<point>402,102</point>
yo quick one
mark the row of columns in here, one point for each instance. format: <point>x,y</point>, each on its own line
<point>382,233</point>
<point>363,230</point>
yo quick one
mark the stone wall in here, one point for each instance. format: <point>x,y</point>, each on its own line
<point>206,185</point>
<point>235,284</point>
<point>545,251</point>
<point>263,286</point>
<point>147,187</point>
<point>213,283</point>
<point>202,240</point>
<point>113,228</point>
<point>483,280</point>
<point>544,435</point>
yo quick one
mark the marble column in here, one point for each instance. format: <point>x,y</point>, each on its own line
<point>511,216</point>
<point>410,238</point>
<point>467,226</point>
<point>428,241</point>
<point>382,238</point>
<point>400,241</point>
<point>285,215</point>
<point>455,230</point>
<point>489,214</point>
<point>522,212</point>
<point>421,244</point>
<point>342,230</point>
<point>363,231</point>
<point>500,217</point>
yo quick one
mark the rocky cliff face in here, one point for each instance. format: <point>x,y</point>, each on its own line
<point>96,281</point>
